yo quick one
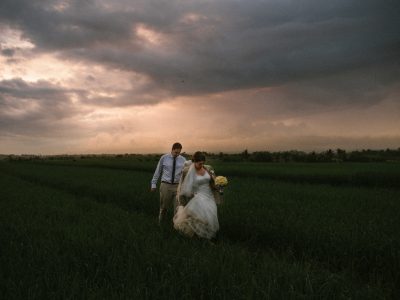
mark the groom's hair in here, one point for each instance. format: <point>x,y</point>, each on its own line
<point>176,146</point>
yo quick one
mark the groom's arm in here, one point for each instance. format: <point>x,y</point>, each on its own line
<point>157,174</point>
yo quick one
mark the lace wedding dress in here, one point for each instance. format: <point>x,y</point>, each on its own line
<point>199,216</point>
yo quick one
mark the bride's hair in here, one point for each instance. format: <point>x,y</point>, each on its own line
<point>198,156</point>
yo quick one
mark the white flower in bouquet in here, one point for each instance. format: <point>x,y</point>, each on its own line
<point>221,181</point>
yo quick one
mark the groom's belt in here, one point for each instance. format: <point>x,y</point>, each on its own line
<point>169,182</point>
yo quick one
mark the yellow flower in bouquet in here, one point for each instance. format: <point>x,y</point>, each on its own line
<point>221,181</point>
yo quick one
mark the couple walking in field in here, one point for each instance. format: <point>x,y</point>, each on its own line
<point>188,186</point>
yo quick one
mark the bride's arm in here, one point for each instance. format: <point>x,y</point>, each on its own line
<point>217,195</point>
<point>211,172</point>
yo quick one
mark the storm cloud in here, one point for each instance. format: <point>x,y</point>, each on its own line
<point>212,46</point>
<point>33,109</point>
<point>258,62</point>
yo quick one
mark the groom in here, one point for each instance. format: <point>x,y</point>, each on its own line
<point>169,168</point>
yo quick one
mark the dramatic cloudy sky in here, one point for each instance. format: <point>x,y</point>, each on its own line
<point>117,76</point>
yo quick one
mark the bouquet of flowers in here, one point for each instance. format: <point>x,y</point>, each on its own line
<point>221,182</point>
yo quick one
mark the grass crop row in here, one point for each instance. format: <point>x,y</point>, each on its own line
<point>352,174</point>
<point>59,245</point>
<point>343,230</point>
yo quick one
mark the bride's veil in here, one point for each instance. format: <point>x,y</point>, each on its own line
<point>188,182</point>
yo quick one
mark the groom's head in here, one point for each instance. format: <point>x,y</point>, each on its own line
<point>176,149</point>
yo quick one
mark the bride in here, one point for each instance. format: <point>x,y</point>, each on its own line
<point>199,215</point>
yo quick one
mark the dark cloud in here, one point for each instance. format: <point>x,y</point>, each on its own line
<point>214,46</point>
<point>36,109</point>
<point>8,52</point>
<point>42,90</point>
<point>44,109</point>
<point>357,88</point>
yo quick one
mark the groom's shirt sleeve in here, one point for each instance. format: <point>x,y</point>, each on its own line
<point>157,172</point>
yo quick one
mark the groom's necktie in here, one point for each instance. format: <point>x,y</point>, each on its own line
<point>173,170</point>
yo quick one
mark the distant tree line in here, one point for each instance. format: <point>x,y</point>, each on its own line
<point>338,155</point>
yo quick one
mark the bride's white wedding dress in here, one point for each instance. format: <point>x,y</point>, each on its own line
<point>199,216</point>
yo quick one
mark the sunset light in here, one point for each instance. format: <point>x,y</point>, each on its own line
<point>227,76</point>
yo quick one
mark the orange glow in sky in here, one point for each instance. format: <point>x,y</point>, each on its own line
<point>118,78</point>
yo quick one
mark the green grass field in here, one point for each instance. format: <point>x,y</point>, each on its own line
<point>88,229</point>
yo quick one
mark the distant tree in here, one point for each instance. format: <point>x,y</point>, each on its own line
<point>329,155</point>
<point>341,154</point>
<point>263,156</point>
<point>221,155</point>
<point>357,156</point>
<point>311,157</point>
<point>245,155</point>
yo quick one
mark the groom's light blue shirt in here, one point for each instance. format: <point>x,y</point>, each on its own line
<point>164,169</point>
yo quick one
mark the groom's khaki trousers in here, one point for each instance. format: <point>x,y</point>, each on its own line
<point>167,199</point>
